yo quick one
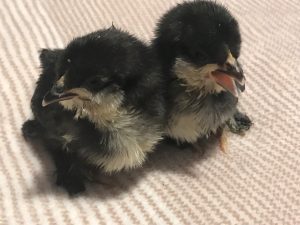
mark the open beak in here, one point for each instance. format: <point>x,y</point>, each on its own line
<point>231,76</point>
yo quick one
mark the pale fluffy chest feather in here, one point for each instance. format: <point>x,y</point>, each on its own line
<point>190,120</point>
<point>130,136</point>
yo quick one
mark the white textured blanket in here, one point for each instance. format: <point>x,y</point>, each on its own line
<point>256,182</point>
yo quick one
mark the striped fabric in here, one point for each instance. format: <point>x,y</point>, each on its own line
<point>256,182</point>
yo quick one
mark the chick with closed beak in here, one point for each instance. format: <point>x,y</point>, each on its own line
<point>98,106</point>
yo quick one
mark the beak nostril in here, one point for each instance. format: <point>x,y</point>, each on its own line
<point>229,67</point>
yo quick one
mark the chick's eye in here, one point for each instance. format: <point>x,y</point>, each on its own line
<point>96,83</point>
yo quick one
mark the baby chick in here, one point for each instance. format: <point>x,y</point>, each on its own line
<point>198,44</point>
<point>98,104</point>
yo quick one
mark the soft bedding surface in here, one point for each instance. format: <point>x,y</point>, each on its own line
<point>256,182</point>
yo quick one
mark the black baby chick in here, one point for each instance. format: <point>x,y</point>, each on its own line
<point>98,104</point>
<point>198,44</point>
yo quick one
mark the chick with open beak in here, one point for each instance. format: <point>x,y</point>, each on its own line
<point>198,44</point>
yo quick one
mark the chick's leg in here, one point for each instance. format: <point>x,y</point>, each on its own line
<point>239,123</point>
<point>32,129</point>
<point>69,173</point>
